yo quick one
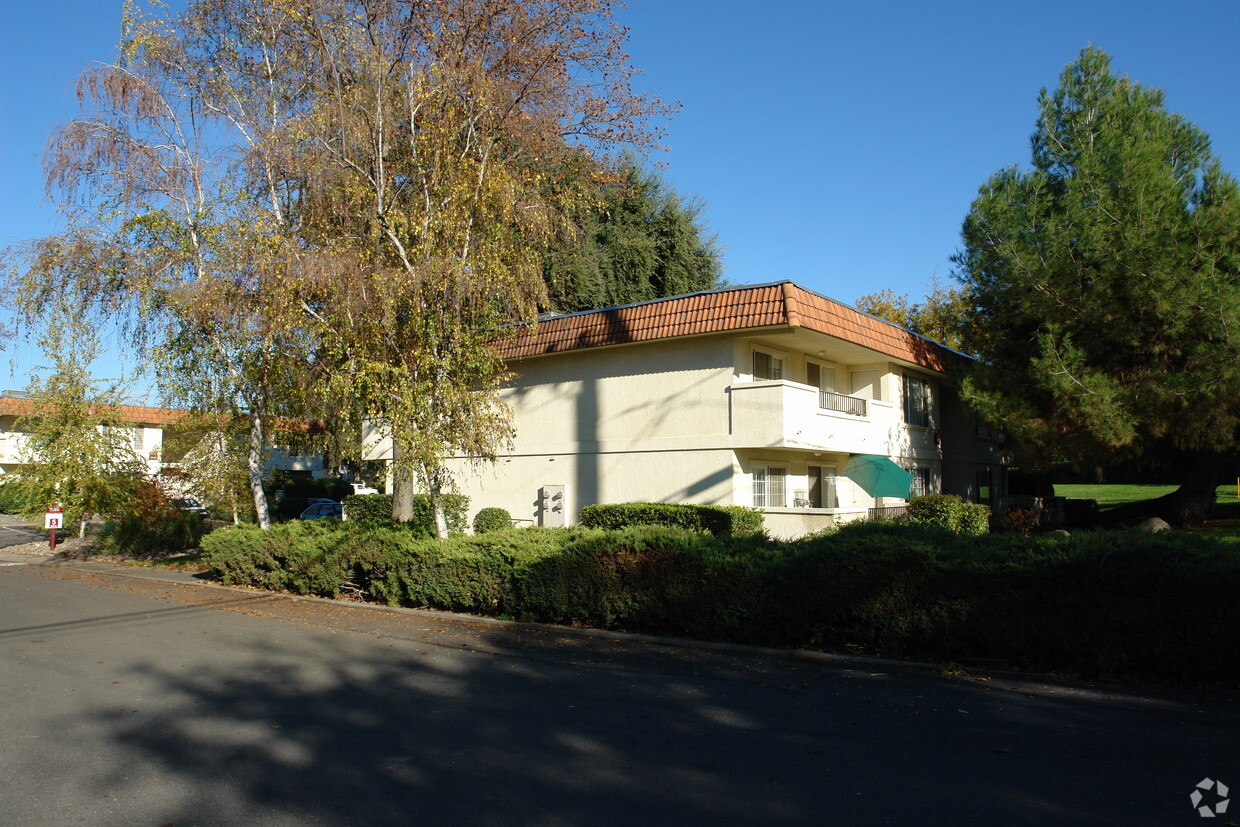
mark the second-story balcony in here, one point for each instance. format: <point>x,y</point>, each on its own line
<point>782,414</point>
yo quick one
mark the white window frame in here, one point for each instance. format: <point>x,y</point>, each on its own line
<point>918,402</point>
<point>822,366</point>
<point>763,488</point>
<point>778,365</point>
<point>923,479</point>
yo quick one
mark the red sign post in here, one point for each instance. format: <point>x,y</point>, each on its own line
<point>53,518</point>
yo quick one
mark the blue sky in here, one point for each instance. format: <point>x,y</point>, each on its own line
<point>836,144</point>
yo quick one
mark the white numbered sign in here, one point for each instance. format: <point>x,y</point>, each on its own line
<point>53,518</point>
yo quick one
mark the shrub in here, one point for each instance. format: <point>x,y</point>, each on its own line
<point>719,520</point>
<point>1105,604</point>
<point>492,519</point>
<point>368,509</point>
<point>1021,520</point>
<point>376,510</point>
<point>950,512</point>
<point>940,510</point>
<point>1080,513</point>
<point>14,499</point>
<point>974,519</point>
<point>135,534</point>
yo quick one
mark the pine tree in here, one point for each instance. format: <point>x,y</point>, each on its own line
<point>1105,284</point>
<point>640,240</point>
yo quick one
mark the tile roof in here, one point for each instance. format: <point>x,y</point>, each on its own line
<point>135,414</point>
<point>782,304</point>
<point>140,415</point>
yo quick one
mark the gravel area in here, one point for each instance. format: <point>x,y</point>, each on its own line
<point>68,544</point>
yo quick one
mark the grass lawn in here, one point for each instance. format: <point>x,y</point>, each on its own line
<point>1225,525</point>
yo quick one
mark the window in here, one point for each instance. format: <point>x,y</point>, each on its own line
<point>766,366</point>
<point>921,482</point>
<point>918,402</point>
<point>769,485</point>
<point>820,376</point>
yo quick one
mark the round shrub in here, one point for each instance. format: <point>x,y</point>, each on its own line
<point>492,519</point>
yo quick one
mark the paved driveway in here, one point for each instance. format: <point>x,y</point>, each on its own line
<point>17,535</point>
<point>141,702</point>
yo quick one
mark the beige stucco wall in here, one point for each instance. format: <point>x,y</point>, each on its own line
<point>650,397</point>
<point>514,483</point>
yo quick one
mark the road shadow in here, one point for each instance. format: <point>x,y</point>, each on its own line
<point>341,715</point>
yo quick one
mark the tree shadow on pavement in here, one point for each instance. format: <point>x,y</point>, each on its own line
<point>306,712</point>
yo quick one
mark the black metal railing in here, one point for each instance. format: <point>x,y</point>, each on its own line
<point>889,512</point>
<point>832,401</point>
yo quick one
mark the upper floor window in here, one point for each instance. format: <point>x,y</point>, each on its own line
<point>820,376</point>
<point>766,366</point>
<point>918,401</point>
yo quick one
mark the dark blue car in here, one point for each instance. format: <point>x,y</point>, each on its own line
<point>323,508</point>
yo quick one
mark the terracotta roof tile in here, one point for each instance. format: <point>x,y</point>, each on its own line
<point>135,414</point>
<point>719,311</point>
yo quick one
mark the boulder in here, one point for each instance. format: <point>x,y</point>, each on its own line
<point>1153,525</point>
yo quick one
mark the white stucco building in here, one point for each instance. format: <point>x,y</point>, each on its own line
<point>143,428</point>
<point>754,395</point>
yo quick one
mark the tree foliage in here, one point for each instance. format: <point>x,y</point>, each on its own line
<point>638,239</point>
<point>215,467</point>
<point>1106,286</point>
<point>338,202</point>
<point>943,316</point>
<point>79,449</point>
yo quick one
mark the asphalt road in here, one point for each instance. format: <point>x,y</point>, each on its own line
<point>151,703</point>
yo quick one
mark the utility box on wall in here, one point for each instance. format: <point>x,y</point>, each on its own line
<point>551,506</point>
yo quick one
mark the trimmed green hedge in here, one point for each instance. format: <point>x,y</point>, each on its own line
<point>719,520</point>
<point>1102,604</point>
<point>950,512</point>
<point>376,510</point>
<point>492,519</point>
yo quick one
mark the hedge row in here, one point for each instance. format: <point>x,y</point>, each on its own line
<point>1101,604</point>
<point>719,520</point>
<point>376,510</point>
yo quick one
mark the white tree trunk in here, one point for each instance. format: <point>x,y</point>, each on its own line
<point>255,465</point>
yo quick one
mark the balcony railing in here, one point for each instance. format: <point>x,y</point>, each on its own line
<point>889,512</point>
<point>832,401</point>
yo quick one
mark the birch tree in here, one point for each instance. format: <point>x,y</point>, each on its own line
<point>429,170</point>
<point>347,196</point>
<point>79,450</point>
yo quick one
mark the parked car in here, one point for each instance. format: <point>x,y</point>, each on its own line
<point>189,505</point>
<point>360,488</point>
<point>323,508</point>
